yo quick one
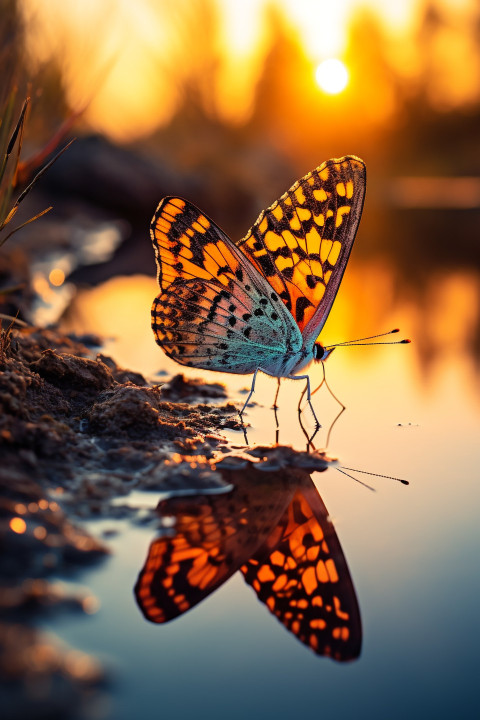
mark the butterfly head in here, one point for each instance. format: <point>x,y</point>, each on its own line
<point>321,353</point>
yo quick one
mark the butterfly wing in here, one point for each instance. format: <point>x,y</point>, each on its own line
<point>301,575</point>
<point>215,310</point>
<point>286,548</point>
<point>214,536</point>
<point>301,244</point>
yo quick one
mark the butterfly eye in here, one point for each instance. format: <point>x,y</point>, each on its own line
<point>319,351</point>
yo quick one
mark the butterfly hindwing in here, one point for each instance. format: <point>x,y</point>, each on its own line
<point>215,310</point>
<point>301,243</point>
<point>301,575</point>
<point>213,536</point>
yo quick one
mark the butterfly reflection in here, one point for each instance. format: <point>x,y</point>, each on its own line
<point>274,528</point>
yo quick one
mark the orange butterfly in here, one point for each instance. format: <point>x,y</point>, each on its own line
<point>259,304</point>
<point>276,530</point>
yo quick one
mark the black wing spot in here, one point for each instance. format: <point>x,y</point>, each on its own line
<point>232,321</point>
<point>258,312</point>
<point>266,263</point>
<point>300,307</point>
<point>300,252</point>
<point>247,332</point>
<point>312,280</point>
<point>247,316</point>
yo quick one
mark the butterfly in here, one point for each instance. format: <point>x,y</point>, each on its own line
<point>274,529</point>
<point>261,303</point>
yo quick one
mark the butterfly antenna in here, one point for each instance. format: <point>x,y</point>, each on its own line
<point>356,479</point>
<point>362,341</point>
<point>388,477</point>
<point>365,472</point>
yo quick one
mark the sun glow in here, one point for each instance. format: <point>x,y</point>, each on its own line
<point>131,64</point>
<point>332,76</point>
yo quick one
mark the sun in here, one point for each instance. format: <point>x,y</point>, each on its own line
<point>332,76</point>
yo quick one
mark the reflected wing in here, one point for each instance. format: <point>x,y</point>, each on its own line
<point>302,576</point>
<point>214,536</point>
<point>215,310</point>
<point>301,244</point>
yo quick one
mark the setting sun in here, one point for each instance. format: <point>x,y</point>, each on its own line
<point>332,76</point>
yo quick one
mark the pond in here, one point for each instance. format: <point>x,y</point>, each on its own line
<point>412,412</point>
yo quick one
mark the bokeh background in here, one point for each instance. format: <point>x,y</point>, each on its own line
<point>229,103</point>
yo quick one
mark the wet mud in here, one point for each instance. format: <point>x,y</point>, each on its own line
<point>77,431</point>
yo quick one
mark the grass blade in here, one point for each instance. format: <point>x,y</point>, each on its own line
<point>27,222</point>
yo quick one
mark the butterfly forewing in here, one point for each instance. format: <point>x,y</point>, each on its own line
<point>301,244</point>
<point>188,245</point>
<point>301,575</point>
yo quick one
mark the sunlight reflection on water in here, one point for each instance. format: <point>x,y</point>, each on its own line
<point>444,327</point>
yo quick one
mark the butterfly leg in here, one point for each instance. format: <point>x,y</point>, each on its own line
<point>275,406</point>
<point>309,395</point>
<point>249,394</point>
<point>309,438</point>
<point>330,390</point>
<point>324,380</point>
<point>253,388</point>
<point>275,409</point>
<point>313,393</point>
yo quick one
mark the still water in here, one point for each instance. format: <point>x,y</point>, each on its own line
<point>413,411</point>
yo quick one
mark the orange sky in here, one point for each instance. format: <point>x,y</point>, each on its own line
<point>128,57</point>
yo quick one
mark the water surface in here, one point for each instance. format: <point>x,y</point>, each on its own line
<point>413,411</point>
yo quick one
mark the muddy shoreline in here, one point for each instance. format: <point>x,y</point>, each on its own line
<point>75,432</point>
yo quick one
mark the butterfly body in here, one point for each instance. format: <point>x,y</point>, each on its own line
<point>259,304</point>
